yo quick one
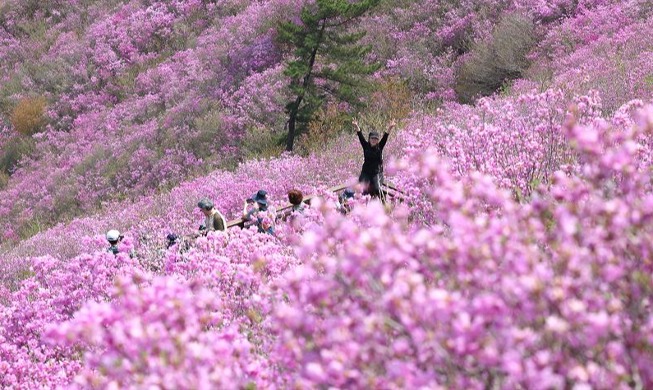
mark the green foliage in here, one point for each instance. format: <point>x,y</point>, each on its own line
<point>31,228</point>
<point>50,77</point>
<point>9,89</point>
<point>259,143</point>
<point>391,99</point>
<point>327,63</point>
<point>328,123</point>
<point>493,63</point>
<point>209,135</point>
<point>542,74</point>
<point>126,80</point>
<point>4,180</point>
<point>24,273</point>
<point>12,151</point>
<point>648,80</point>
<point>27,118</point>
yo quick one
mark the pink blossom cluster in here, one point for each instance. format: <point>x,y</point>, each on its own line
<point>492,293</point>
<point>612,57</point>
<point>425,42</point>
<point>118,310</point>
<point>489,292</point>
<point>421,42</point>
<point>52,293</point>
<point>554,10</point>
<point>518,141</point>
<point>520,256</point>
<point>131,36</point>
<point>160,333</point>
<point>142,96</point>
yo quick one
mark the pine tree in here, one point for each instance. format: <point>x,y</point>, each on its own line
<point>324,48</point>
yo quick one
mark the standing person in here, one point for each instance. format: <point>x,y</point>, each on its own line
<point>372,172</point>
<point>214,220</point>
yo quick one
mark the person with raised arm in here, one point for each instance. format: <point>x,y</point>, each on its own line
<point>372,172</point>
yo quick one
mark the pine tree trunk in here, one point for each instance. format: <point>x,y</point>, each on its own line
<point>291,127</point>
<point>292,117</point>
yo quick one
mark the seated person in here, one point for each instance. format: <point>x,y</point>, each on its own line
<point>114,237</point>
<point>214,220</point>
<point>344,199</point>
<point>261,213</point>
<point>296,199</point>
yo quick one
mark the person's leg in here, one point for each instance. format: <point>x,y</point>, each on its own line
<point>375,186</point>
<point>379,186</point>
<point>365,180</point>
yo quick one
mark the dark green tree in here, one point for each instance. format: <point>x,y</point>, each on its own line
<point>325,48</point>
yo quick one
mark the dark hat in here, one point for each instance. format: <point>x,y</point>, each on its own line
<point>171,240</point>
<point>374,134</point>
<point>348,193</point>
<point>205,204</point>
<point>260,195</point>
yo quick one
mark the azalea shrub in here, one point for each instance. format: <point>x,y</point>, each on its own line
<point>490,291</point>
<point>517,254</point>
<point>199,83</point>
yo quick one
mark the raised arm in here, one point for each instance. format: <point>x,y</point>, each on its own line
<point>359,132</point>
<point>391,127</point>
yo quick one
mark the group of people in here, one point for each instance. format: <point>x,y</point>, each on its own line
<point>258,211</point>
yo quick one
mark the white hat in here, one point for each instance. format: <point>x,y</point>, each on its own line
<point>113,235</point>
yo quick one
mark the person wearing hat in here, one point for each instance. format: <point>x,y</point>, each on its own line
<point>252,203</point>
<point>182,244</point>
<point>260,195</point>
<point>343,205</point>
<point>171,240</point>
<point>258,211</point>
<point>114,237</point>
<point>372,172</point>
<point>214,220</point>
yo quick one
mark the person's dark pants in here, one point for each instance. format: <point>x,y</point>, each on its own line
<point>372,184</point>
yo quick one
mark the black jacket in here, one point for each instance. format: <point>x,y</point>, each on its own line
<point>373,164</point>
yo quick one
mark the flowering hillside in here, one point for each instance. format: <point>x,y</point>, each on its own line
<point>520,256</point>
<point>104,101</point>
<point>490,291</point>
